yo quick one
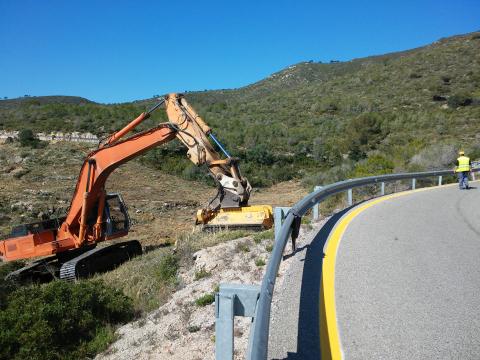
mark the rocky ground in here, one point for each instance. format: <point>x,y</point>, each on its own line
<point>182,329</point>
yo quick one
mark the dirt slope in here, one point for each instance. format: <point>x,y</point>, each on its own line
<point>181,329</point>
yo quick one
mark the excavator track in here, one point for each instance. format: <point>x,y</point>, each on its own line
<point>99,260</point>
<point>78,263</point>
<point>36,271</point>
<point>67,271</point>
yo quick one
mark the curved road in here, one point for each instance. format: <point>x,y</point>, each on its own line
<point>407,282</point>
<point>407,278</point>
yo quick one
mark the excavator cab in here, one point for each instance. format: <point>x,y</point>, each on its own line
<point>117,221</point>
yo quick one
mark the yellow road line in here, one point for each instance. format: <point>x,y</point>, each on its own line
<point>329,339</point>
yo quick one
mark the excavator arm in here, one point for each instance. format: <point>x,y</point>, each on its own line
<point>94,174</point>
<point>233,189</point>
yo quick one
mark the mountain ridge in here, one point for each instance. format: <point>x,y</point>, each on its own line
<point>374,58</point>
<point>342,119</point>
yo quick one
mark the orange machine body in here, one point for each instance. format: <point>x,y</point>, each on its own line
<point>42,240</point>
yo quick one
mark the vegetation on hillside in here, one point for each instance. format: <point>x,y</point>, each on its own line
<point>311,117</point>
<point>60,320</point>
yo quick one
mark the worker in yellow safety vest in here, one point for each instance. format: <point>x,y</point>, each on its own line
<point>462,169</point>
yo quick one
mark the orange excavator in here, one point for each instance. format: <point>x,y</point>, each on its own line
<point>68,245</point>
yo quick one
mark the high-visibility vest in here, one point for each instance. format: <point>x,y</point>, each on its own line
<point>463,164</point>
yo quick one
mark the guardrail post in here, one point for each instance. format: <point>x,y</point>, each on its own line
<point>382,188</point>
<point>440,180</point>
<point>414,183</point>
<point>279,214</point>
<point>316,207</point>
<point>223,326</point>
<point>349,197</point>
<point>473,176</point>
<point>232,300</point>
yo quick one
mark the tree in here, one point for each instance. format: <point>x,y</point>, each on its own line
<point>326,152</point>
<point>364,133</point>
<point>28,139</point>
<point>260,154</point>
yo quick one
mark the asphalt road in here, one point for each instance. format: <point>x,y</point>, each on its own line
<point>294,321</point>
<point>407,278</point>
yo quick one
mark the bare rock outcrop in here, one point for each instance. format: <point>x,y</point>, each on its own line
<point>53,136</point>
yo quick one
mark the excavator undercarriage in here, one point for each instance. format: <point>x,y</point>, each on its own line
<point>78,263</point>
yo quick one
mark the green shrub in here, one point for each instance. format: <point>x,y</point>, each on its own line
<point>460,99</point>
<point>263,235</point>
<point>242,247</point>
<point>8,286</point>
<point>28,139</point>
<point>326,152</point>
<point>205,300</point>
<point>167,269</point>
<point>269,247</point>
<point>374,165</point>
<point>193,328</point>
<point>260,154</point>
<point>61,320</point>
<point>260,262</point>
<point>364,133</point>
<point>201,274</point>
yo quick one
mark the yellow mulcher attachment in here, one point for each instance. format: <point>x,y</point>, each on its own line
<point>258,218</point>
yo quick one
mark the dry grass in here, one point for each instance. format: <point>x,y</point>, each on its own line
<point>142,279</point>
<point>282,194</point>
<point>139,280</point>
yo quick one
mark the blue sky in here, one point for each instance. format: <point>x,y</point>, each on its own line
<point>116,51</point>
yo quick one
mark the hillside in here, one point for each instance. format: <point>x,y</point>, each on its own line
<point>313,116</point>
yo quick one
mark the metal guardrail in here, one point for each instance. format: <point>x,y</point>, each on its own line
<point>235,296</point>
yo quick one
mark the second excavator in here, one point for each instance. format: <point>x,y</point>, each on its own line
<point>68,245</point>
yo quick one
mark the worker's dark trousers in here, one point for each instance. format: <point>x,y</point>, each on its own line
<point>463,180</point>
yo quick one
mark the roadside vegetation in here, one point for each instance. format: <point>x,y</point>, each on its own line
<point>59,320</point>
